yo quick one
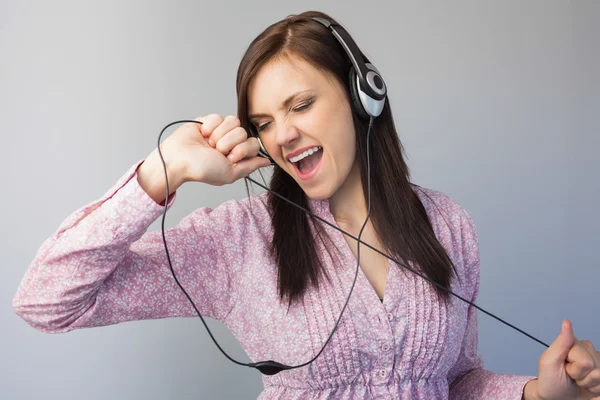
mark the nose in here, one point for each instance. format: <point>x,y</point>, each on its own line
<point>286,134</point>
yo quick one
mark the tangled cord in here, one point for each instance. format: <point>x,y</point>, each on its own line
<point>271,367</point>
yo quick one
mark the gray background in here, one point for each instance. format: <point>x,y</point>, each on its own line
<point>497,104</point>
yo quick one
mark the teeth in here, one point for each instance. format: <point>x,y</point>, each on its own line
<point>305,154</point>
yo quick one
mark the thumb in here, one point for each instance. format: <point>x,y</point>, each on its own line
<point>559,349</point>
<point>246,166</point>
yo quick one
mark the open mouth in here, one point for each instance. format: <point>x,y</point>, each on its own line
<point>307,163</point>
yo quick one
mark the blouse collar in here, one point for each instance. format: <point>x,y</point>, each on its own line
<point>319,207</point>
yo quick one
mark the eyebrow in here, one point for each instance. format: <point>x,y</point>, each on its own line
<point>285,104</point>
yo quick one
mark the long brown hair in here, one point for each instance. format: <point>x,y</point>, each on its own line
<point>397,213</point>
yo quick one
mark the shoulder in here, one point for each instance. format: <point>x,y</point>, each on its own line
<point>454,227</point>
<point>441,205</point>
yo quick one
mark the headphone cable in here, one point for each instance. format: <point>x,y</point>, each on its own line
<point>271,367</point>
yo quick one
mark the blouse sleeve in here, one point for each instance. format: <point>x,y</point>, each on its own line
<point>106,269</point>
<point>467,378</point>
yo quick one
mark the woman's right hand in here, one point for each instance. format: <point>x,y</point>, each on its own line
<point>218,152</point>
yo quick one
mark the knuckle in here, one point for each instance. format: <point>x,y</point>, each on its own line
<point>214,119</point>
<point>241,133</point>
<point>254,145</point>
<point>587,365</point>
<point>211,121</point>
<point>232,119</point>
<point>587,344</point>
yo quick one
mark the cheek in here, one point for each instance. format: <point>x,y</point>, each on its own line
<point>342,152</point>
<point>268,142</point>
<point>346,142</point>
<point>349,151</point>
<point>338,129</point>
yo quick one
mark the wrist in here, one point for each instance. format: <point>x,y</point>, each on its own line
<point>530,391</point>
<point>151,177</point>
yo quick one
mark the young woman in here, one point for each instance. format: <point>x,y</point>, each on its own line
<point>278,278</point>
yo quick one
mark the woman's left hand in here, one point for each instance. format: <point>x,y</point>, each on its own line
<point>569,368</point>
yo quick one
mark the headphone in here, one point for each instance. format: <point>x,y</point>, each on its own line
<point>367,88</point>
<point>368,92</point>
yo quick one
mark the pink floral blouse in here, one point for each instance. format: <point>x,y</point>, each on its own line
<point>108,269</point>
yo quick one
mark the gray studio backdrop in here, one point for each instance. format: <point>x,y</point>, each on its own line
<point>497,104</point>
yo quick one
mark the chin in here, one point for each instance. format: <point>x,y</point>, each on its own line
<point>316,197</point>
<point>323,192</point>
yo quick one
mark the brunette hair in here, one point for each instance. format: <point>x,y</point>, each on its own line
<point>397,214</point>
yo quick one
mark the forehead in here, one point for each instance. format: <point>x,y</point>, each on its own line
<point>281,77</point>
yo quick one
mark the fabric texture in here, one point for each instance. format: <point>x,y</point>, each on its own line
<point>107,269</point>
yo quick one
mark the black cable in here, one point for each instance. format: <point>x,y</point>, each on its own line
<point>165,240</point>
<point>357,250</point>
<point>401,264</point>
<point>272,367</point>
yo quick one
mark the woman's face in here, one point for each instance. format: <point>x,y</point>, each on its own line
<point>297,110</point>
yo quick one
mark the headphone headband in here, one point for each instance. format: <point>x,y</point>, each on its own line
<point>367,88</point>
<point>370,81</point>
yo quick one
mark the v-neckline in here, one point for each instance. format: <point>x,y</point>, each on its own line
<point>322,208</point>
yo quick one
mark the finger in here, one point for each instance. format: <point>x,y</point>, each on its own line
<point>591,393</point>
<point>248,148</point>
<point>202,120</point>
<point>580,362</point>
<point>248,165</point>
<point>591,381</point>
<point>557,353</point>
<point>197,127</point>
<point>229,123</point>
<point>589,346</point>
<point>595,391</point>
<point>231,139</point>
<point>210,123</point>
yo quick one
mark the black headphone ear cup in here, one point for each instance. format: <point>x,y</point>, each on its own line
<point>356,103</point>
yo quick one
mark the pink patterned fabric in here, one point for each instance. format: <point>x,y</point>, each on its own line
<point>107,270</point>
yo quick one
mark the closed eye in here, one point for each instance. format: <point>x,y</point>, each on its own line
<point>303,106</point>
<point>262,127</point>
<point>297,109</point>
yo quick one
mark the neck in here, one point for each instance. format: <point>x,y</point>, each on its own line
<point>347,204</point>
